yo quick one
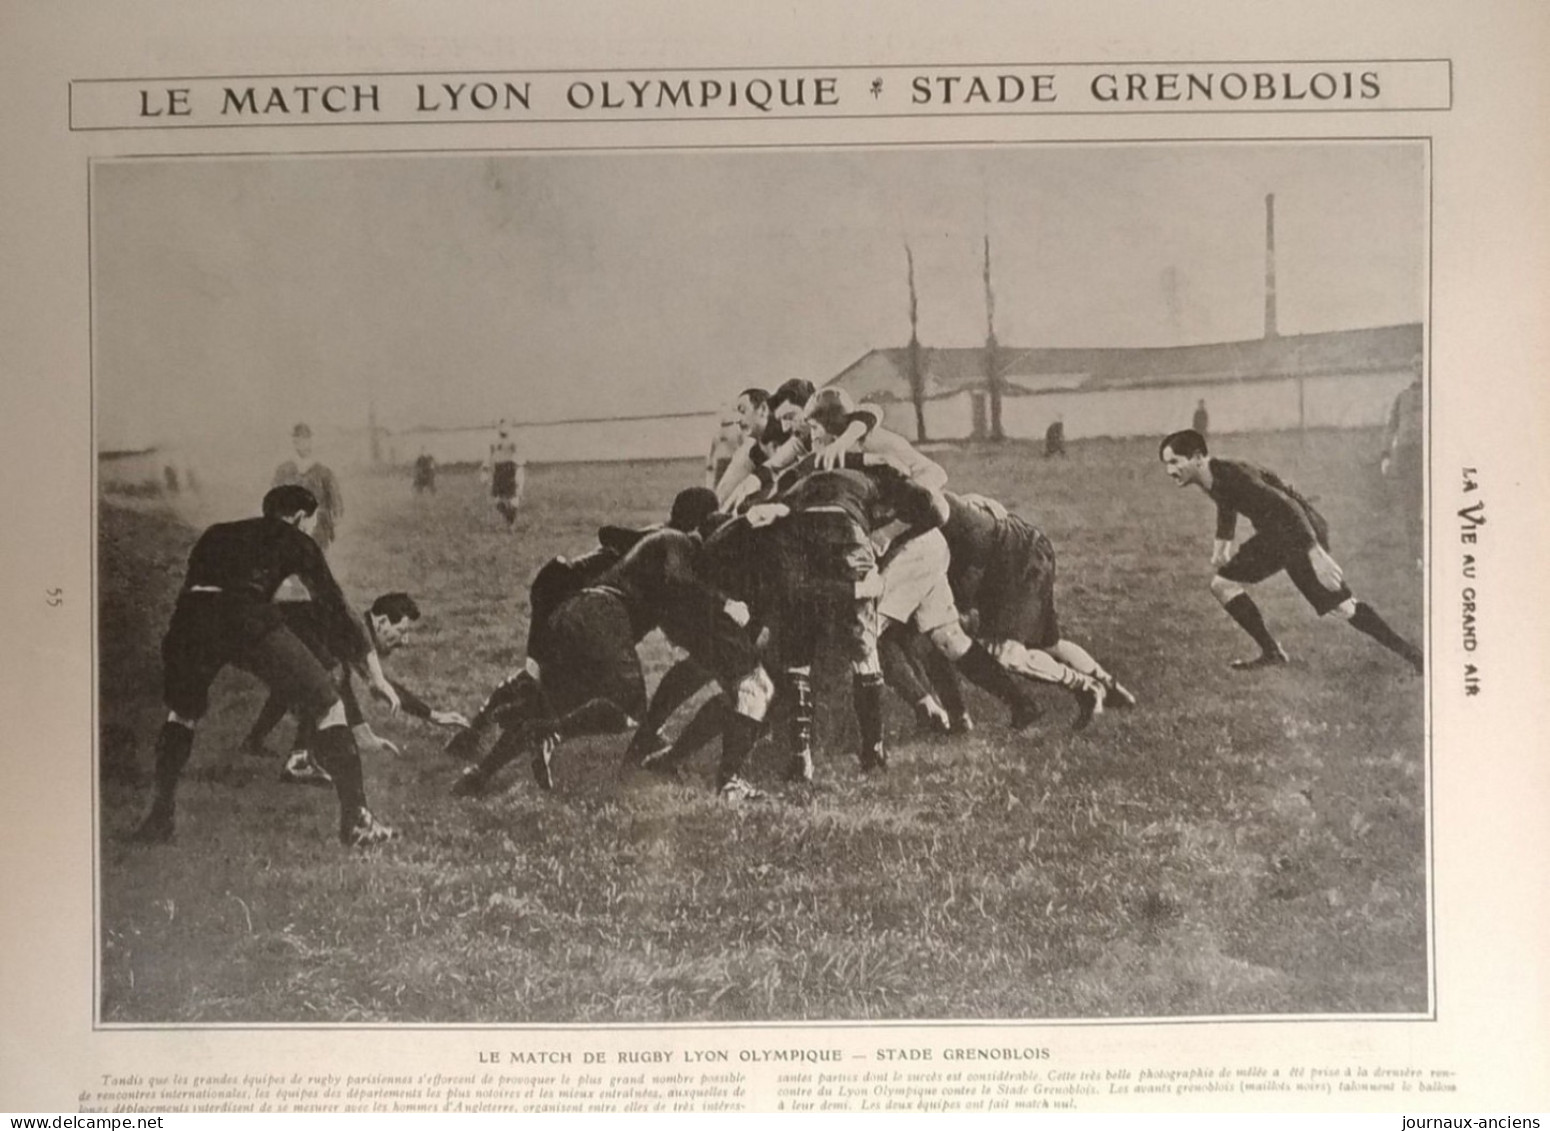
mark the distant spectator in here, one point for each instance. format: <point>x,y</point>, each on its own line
<point>424,473</point>
<point>170,474</point>
<point>1055,438</point>
<point>1201,421</point>
<point>508,474</point>
<point>307,472</point>
<point>1403,466</point>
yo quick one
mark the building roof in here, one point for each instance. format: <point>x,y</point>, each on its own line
<point>883,374</point>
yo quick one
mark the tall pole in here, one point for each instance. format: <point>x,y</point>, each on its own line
<point>916,375</point>
<point>993,382</point>
<point>1270,266</point>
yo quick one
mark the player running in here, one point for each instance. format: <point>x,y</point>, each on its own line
<point>1288,535</point>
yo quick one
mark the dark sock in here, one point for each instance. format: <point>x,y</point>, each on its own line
<point>737,739</point>
<point>867,692</point>
<point>514,694</point>
<point>334,749</point>
<point>677,687</point>
<point>899,669</point>
<point>595,716</point>
<point>944,679</point>
<point>985,671</point>
<point>709,721</point>
<point>509,744</point>
<point>1366,619</point>
<point>1243,610</point>
<point>174,746</point>
<point>269,716</point>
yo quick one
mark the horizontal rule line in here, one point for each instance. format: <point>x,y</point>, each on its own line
<point>772,118</point>
<point>783,67</point>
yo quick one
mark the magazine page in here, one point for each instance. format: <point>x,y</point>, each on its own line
<point>683,558</point>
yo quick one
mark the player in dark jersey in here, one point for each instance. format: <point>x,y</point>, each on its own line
<point>1289,534</point>
<point>785,440</point>
<point>586,654</point>
<point>225,614</point>
<point>1002,575</point>
<point>388,624</point>
<point>832,525</point>
<point>739,560</point>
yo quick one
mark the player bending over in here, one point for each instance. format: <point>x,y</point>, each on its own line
<point>1288,534</point>
<point>226,614</point>
<point>1002,574</point>
<point>586,656</point>
<point>389,623</point>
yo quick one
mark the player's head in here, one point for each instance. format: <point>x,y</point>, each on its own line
<point>1183,456</point>
<point>291,503</point>
<point>503,427</point>
<point>392,617</point>
<point>753,411</point>
<point>301,439</point>
<point>691,507</point>
<point>827,412</point>
<point>787,403</point>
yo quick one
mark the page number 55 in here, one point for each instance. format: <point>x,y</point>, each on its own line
<point>54,597</point>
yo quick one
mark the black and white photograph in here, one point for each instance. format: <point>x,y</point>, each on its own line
<point>735,586</point>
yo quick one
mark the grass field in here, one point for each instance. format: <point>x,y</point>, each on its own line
<point>1240,844</point>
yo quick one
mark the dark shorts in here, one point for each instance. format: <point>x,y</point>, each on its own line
<point>717,644</point>
<point>1261,557</point>
<point>302,618</point>
<point>590,654</point>
<point>1015,594</point>
<point>211,630</point>
<point>503,481</point>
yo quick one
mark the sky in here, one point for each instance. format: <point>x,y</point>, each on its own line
<point>234,296</point>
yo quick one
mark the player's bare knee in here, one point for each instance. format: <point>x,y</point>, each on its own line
<point>1345,610</point>
<point>181,720</point>
<point>951,640</point>
<point>1010,654</point>
<point>333,717</point>
<point>754,693</point>
<point>1224,590</point>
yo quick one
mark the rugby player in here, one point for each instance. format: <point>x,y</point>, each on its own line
<point>307,472</point>
<point>1289,534</point>
<point>508,474</point>
<point>587,655</point>
<point>389,624</point>
<point>1002,573</point>
<point>225,614</point>
<point>784,441</point>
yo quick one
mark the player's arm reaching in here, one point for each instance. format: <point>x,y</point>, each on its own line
<point>344,629</point>
<point>335,495</point>
<point>743,466</point>
<point>687,584</point>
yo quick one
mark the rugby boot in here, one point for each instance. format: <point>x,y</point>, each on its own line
<point>361,830</point>
<point>1269,659</point>
<point>302,769</point>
